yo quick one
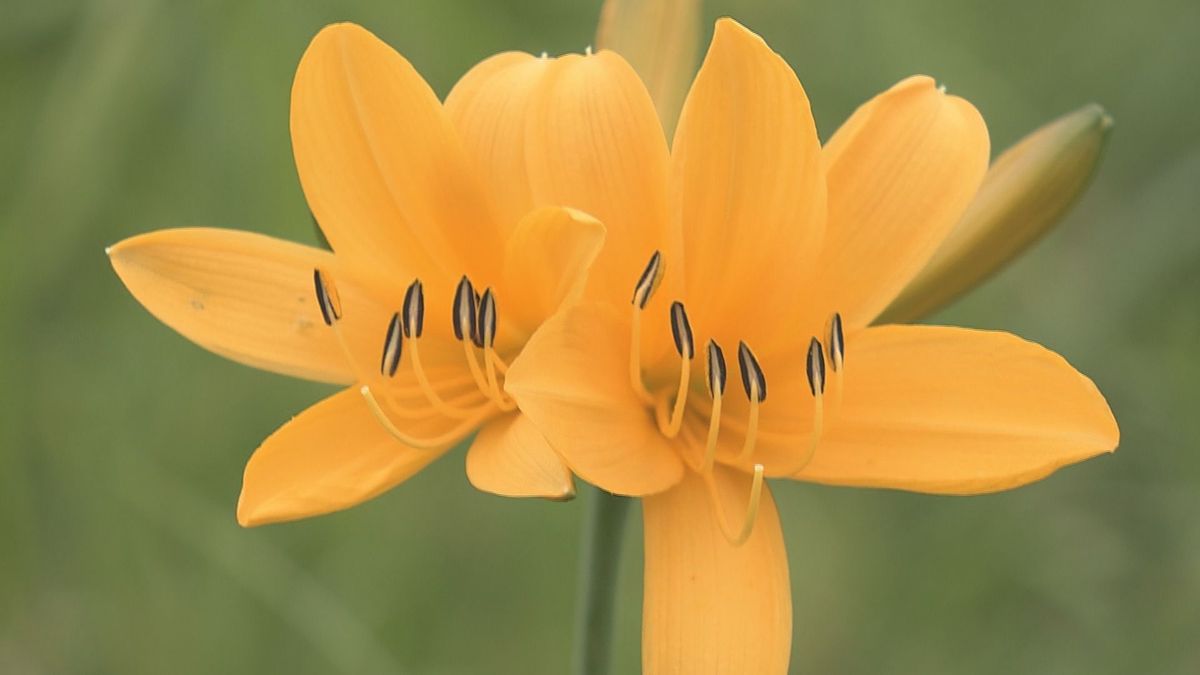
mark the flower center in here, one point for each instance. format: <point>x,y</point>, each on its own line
<point>670,417</point>
<point>474,317</point>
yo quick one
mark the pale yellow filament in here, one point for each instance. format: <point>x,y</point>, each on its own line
<point>476,371</point>
<point>432,443</point>
<point>685,378</point>
<point>751,509</point>
<point>751,425</point>
<point>430,393</point>
<point>839,382</point>
<point>714,427</point>
<point>503,402</point>
<point>817,429</point>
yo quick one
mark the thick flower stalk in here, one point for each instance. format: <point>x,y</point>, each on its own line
<point>413,227</point>
<point>727,337</point>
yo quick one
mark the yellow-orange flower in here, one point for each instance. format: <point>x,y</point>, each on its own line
<point>412,225</point>
<point>749,238</point>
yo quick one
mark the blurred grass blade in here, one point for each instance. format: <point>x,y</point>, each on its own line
<point>661,39</point>
<point>1026,192</point>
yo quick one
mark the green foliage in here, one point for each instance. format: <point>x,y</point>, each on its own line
<point>122,445</point>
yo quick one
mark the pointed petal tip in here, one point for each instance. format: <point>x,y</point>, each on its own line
<point>728,28</point>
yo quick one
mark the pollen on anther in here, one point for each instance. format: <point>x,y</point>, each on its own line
<point>837,343</point>
<point>681,330</point>
<point>649,281</point>
<point>487,319</point>
<point>464,310</point>
<point>414,310</point>
<point>753,380</point>
<point>716,369</point>
<point>393,346</point>
<point>327,298</point>
<point>815,367</point>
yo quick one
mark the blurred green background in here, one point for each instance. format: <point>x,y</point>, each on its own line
<point>122,445</point>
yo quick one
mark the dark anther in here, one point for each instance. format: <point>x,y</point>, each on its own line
<point>464,310</point>
<point>682,331</point>
<point>716,369</point>
<point>837,343</point>
<point>393,346</point>
<point>414,310</point>
<point>487,319</point>
<point>648,282</point>
<point>816,367</point>
<point>753,380</point>
<point>327,299</point>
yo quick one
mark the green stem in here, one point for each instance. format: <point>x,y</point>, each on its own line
<point>603,528</point>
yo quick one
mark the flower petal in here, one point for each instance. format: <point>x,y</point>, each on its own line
<point>747,188</point>
<point>247,297</point>
<point>957,411</point>
<point>710,607</point>
<point>330,457</point>
<point>490,107</point>
<point>547,260</point>
<point>595,144</point>
<point>381,165</point>
<point>901,172</point>
<point>511,458</point>
<point>572,379</point>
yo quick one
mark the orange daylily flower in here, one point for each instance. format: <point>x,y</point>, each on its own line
<point>780,252</point>
<point>412,224</point>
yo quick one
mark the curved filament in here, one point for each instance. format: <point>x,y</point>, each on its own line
<point>738,537</point>
<point>751,425</point>
<point>432,443</point>
<point>430,393</point>
<point>714,427</point>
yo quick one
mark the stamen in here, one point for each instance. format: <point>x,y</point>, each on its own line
<point>716,389</point>
<point>815,368</point>
<point>487,319</point>
<point>393,347</point>
<point>681,329</point>
<point>751,509</point>
<point>331,311</point>
<point>465,328</point>
<point>837,358</point>
<point>414,325</point>
<point>464,309</point>
<point>755,384</point>
<point>486,328</point>
<point>649,281</point>
<point>646,286</point>
<point>414,310</point>
<point>327,298</point>
<point>432,443</point>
